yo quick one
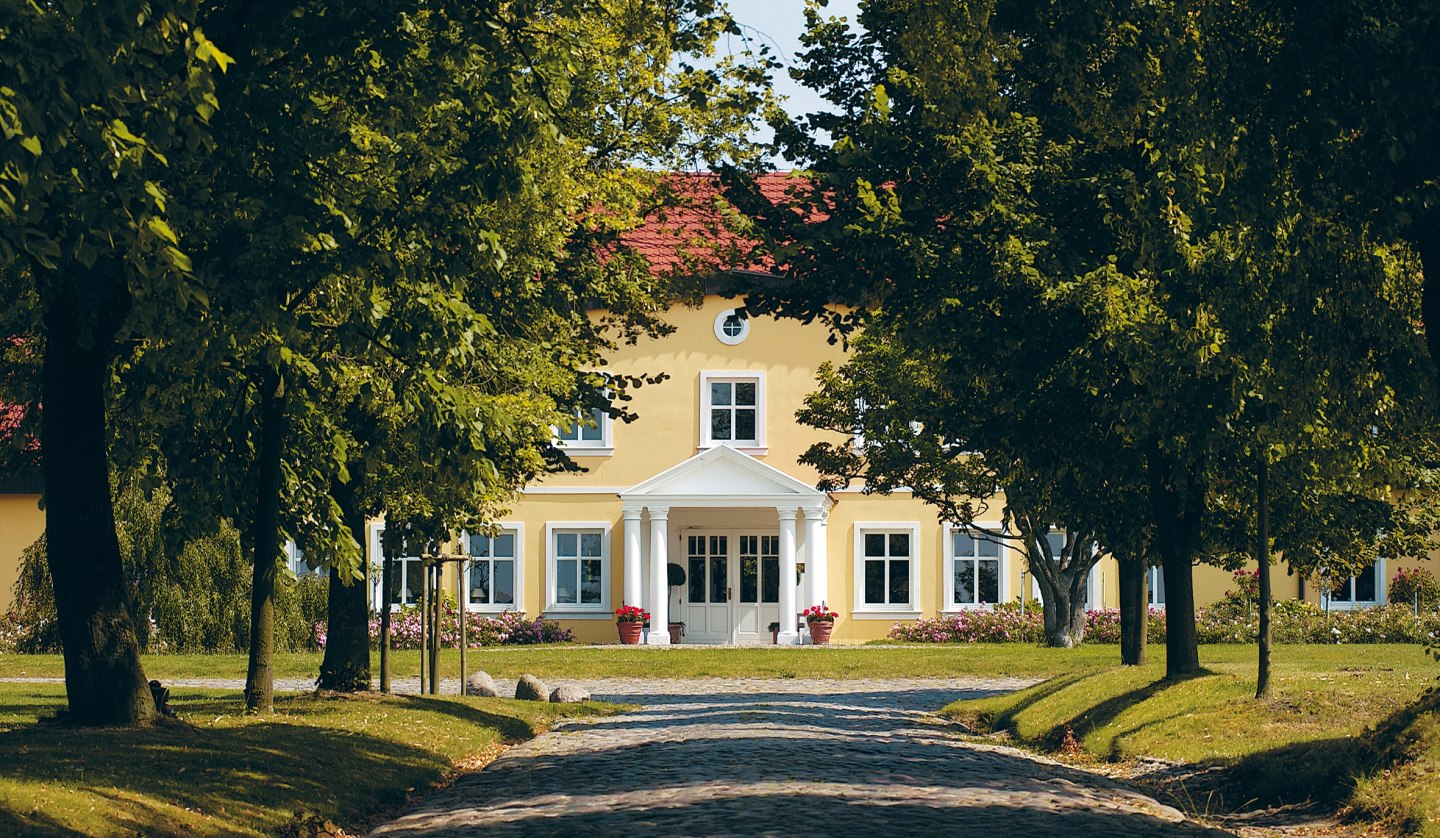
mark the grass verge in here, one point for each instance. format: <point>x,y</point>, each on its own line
<point>574,662</point>
<point>212,772</point>
<point>1335,730</point>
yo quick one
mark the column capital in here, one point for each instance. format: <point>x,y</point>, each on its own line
<point>631,513</point>
<point>658,513</point>
<point>787,513</point>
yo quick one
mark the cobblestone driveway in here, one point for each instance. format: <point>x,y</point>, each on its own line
<point>784,757</point>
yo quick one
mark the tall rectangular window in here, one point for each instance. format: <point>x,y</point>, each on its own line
<point>578,566</point>
<point>1361,589</point>
<point>975,570</point>
<point>732,409</point>
<point>494,569</point>
<point>887,568</point>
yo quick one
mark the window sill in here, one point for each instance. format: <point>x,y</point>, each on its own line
<point>1352,606</point>
<point>476,608</point>
<point>884,615</point>
<point>578,614</point>
<point>597,451</point>
<point>752,450</point>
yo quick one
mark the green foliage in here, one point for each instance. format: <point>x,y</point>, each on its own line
<point>196,601</point>
<point>1417,587</point>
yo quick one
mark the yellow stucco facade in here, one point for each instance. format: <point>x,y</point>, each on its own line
<point>577,546</point>
<point>21,523</point>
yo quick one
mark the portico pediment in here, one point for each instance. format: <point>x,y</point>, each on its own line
<point>722,474</point>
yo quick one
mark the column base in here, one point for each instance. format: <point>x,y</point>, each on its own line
<point>657,638</point>
<point>788,638</point>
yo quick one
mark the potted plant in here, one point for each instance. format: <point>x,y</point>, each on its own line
<point>677,631</point>
<point>821,621</point>
<point>775,633</point>
<point>630,619</point>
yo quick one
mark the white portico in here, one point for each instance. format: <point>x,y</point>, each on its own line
<point>742,566</point>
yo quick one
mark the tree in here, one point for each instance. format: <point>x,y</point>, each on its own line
<point>101,100</point>
<point>402,260</point>
<point>1007,184</point>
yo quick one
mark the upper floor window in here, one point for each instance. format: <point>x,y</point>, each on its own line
<point>587,433</point>
<point>731,327</point>
<point>495,570</point>
<point>732,409</point>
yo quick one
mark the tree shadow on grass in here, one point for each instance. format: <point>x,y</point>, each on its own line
<point>510,728</point>
<point>177,779</point>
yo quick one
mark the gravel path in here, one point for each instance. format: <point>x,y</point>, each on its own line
<point>782,757</point>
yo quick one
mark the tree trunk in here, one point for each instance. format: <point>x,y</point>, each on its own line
<point>1175,512</point>
<point>437,632</point>
<point>1134,612</point>
<point>104,682</point>
<point>1427,241</point>
<point>387,575</point>
<point>1063,609</point>
<point>1262,562</point>
<point>346,667</point>
<point>265,538</point>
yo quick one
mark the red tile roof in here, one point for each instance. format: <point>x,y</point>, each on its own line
<point>699,234</point>
<point>10,417</point>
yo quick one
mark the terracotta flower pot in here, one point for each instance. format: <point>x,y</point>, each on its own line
<point>820,631</point>
<point>676,629</point>
<point>629,633</point>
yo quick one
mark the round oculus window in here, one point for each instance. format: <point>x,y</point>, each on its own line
<point>731,328</point>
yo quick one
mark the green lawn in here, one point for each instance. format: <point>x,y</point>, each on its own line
<point>1313,740</point>
<point>589,662</point>
<point>213,772</point>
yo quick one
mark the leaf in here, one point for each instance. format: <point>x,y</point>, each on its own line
<point>31,144</point>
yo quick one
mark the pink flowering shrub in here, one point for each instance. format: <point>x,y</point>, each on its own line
<point>1412,587</point>
<point>1292,621</point>
<point>508,628</point>
<point>999,625</point>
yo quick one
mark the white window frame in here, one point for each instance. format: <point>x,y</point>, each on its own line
<point>948,571</point>
<point>518,531</point>
<point>731,340</point>
<point>1155,587</point>
<point>576,610</point>
<point>296,561</point>
<point>886,611</point>
<point>602,447</point>
<point>402,565</point>
<point>1382,592</point>
<point>1092,584</point>
<point>757,377</point>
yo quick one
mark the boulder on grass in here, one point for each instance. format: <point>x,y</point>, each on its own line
<point>568,694</point>
<point>480,683</point>
<point>531,688</point>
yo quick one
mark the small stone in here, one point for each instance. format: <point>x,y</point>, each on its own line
<point>568,694</point>
<point>531,688</point>
<point>480,683</point>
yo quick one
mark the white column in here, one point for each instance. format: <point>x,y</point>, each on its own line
<point>632,556</point>
<point>659,604</point>
<point>788,612</point>
<point>817,558</point>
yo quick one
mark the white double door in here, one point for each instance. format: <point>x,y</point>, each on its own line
<point>732,586</point>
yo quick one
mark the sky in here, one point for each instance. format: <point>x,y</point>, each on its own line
<point>779,23</point>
